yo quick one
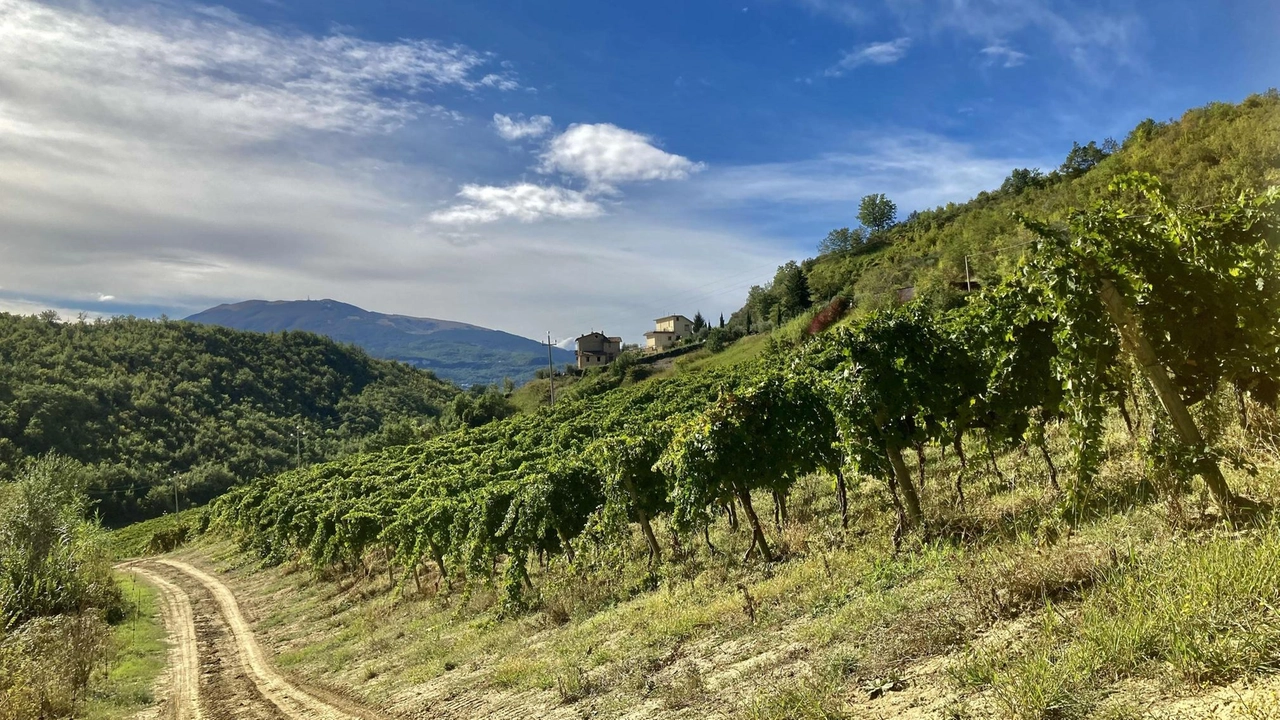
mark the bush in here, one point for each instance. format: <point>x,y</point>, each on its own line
<point>45,665</point>
<point>720,338</point>
<point>50,557</point>
<point>56,591</point>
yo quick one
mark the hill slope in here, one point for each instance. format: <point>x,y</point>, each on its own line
<point>140,401</point>
<point>1210,151</point>
<point>463,353</point>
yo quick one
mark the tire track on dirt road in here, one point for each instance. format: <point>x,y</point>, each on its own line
<point>183,702</point>
<point>215,605</point>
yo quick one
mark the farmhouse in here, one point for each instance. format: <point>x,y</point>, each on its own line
<point>597,350</point>
<point>667,331</point>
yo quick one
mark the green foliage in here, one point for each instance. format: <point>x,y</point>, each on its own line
<point>877,212</point>
<point>1203,284</point>
<point>1084,158</point>
<point>145,404</point>
<point>842,241</point>
<point>50,557</point>
<point>56,591</point>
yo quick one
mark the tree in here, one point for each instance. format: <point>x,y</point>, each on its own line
<point>698,322</point>
<point>791,290</point>
<point>877,212</point>
<point>1022,179</point>
<point>842,240</point>
<point>722,320</point>
<point>1083,158</point>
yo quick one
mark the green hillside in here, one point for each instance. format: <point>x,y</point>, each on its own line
<point>145,403</point>
<point>1209,152</point>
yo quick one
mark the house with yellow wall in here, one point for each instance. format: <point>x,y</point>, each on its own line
<point>667,331</point>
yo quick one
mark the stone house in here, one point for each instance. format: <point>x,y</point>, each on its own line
<point>597,350</point>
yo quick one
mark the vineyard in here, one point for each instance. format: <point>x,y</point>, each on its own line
<point>1138,306</point>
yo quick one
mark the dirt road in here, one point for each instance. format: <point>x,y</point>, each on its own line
<point>218,670</point>
<point>183,702</point>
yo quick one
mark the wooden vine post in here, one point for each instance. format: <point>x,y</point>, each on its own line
<point>1137,343</point>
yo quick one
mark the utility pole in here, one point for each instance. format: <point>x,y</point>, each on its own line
<point>297,438</point>
<point>968,285</point>
<point>551,376</point>
<point>174,477</point>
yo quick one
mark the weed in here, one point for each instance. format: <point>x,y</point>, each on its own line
<point>574,684</point>
<point>804,699</point>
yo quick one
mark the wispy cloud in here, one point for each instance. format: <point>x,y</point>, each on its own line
<point>525,202</point>
<point>877,53</point>
<point>518,128</point>
<point>499,81</point>
<point>917,170</point>
<point>215,72</point>
<point>602,156</point>
<point>1095,37</point>
<point>1003,55</point>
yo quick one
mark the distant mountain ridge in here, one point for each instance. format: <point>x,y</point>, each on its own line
<point>464,353</point>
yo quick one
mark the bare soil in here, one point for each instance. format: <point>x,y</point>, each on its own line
<point>217,667</point>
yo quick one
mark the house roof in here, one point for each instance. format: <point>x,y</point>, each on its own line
<point>655,333</point>
<point>673,317</point>
<point>595,334</point>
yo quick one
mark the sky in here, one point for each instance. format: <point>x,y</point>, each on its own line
<point>542,167</point>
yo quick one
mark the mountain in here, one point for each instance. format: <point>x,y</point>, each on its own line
<point>465,354</point>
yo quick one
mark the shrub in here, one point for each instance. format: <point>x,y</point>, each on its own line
<point>50,561</point>
<point>720,338</point>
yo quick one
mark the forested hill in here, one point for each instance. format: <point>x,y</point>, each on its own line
<point>1209,152</point>
<point>465,354</point>
<point>144,402</point>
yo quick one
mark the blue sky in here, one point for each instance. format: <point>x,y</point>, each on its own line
<point>536,166</point>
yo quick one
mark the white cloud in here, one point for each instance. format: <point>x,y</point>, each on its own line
<point>878,53</point>
<point>1003,55</point>
<point>518,128</point>
<point>525,202</point>
<point>103,297</point>
<point>605,155</point>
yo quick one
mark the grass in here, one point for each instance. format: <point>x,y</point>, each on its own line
<point>157,534</point>
<point>1196,612</point>
<point>140,654</point>
<point>744,350</point>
